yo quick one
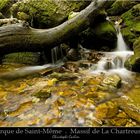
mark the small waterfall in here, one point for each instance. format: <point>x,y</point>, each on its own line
<point>121,45</point>
<point>114,60</point>
<point>11,16</point>
<point>56,54</point>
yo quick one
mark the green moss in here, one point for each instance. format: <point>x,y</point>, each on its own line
<point>43,94</point>
<point>5,7</point>
<point>47,13</point>
<point>22,58</point>
<point>128,35</point>
<point>101,36</point>
<point>130,17</point>
<point>136,27</point>
<point>131,30</point>
<point>104,28</point>
<point>3,4</point>
<point>22,16</point>
<point>72,14</point>
<point>133,63</point>
<point>127,17</point>
<point>120,6</point>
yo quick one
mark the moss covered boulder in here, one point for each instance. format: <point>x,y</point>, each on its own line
<point>46,13</point>
<point>100,36</point>
<point>29,58</point>
<point>133,62</point>
<point>131,25</point>
<point>120,6</point>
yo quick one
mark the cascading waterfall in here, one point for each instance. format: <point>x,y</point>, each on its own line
<point>121,45</point>
<point>56,54</point>
<point>11,16</point>
<point>114,61</point>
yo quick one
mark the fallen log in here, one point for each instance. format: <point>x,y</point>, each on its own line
<point>21,37</point>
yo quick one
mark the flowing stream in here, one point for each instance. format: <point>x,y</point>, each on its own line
<point>70,96</point>
<point>113,62</point>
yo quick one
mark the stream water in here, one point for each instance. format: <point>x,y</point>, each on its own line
<point>104,94</point>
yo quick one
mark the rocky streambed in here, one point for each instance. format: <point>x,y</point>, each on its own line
<point>70,95</point>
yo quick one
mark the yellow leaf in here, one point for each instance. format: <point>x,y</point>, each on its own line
<point>52,82</point>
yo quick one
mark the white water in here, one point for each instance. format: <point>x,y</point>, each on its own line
<point>11,16</point>
<point>121,45</point>
<point>113,62</point>
<point>56,54</point>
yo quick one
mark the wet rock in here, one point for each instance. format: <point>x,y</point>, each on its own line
<point>85,64</point>
<point>106,110</point>
<point>118,62</point>
<point>118,121</point>
<point>43,94</point>
<point>108,65</point>
<point>64,76</point>
<point>130,104</point>
<point>73,54</point>
<point>91,56</point>
<point>131,123</point>
<point>112,81</point>
<point>71,66</point>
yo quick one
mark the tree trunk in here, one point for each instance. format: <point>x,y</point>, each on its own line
<point>20,37</point>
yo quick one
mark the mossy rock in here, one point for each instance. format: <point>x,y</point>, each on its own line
<point>102,35</point>
<point>120,6</point>
<point>23,16</point>
<point>4,7</point>
<point>43,94</point>
<point>128,36</point>
<point>131,24</point>
<point>64,76</point>
<point>131,15</point>
<point>47,13</point>
<point>133,62</point>
<point>131,105</point>
<point>4,3</point>
<point>110,83</point>
<point>28,58</point>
